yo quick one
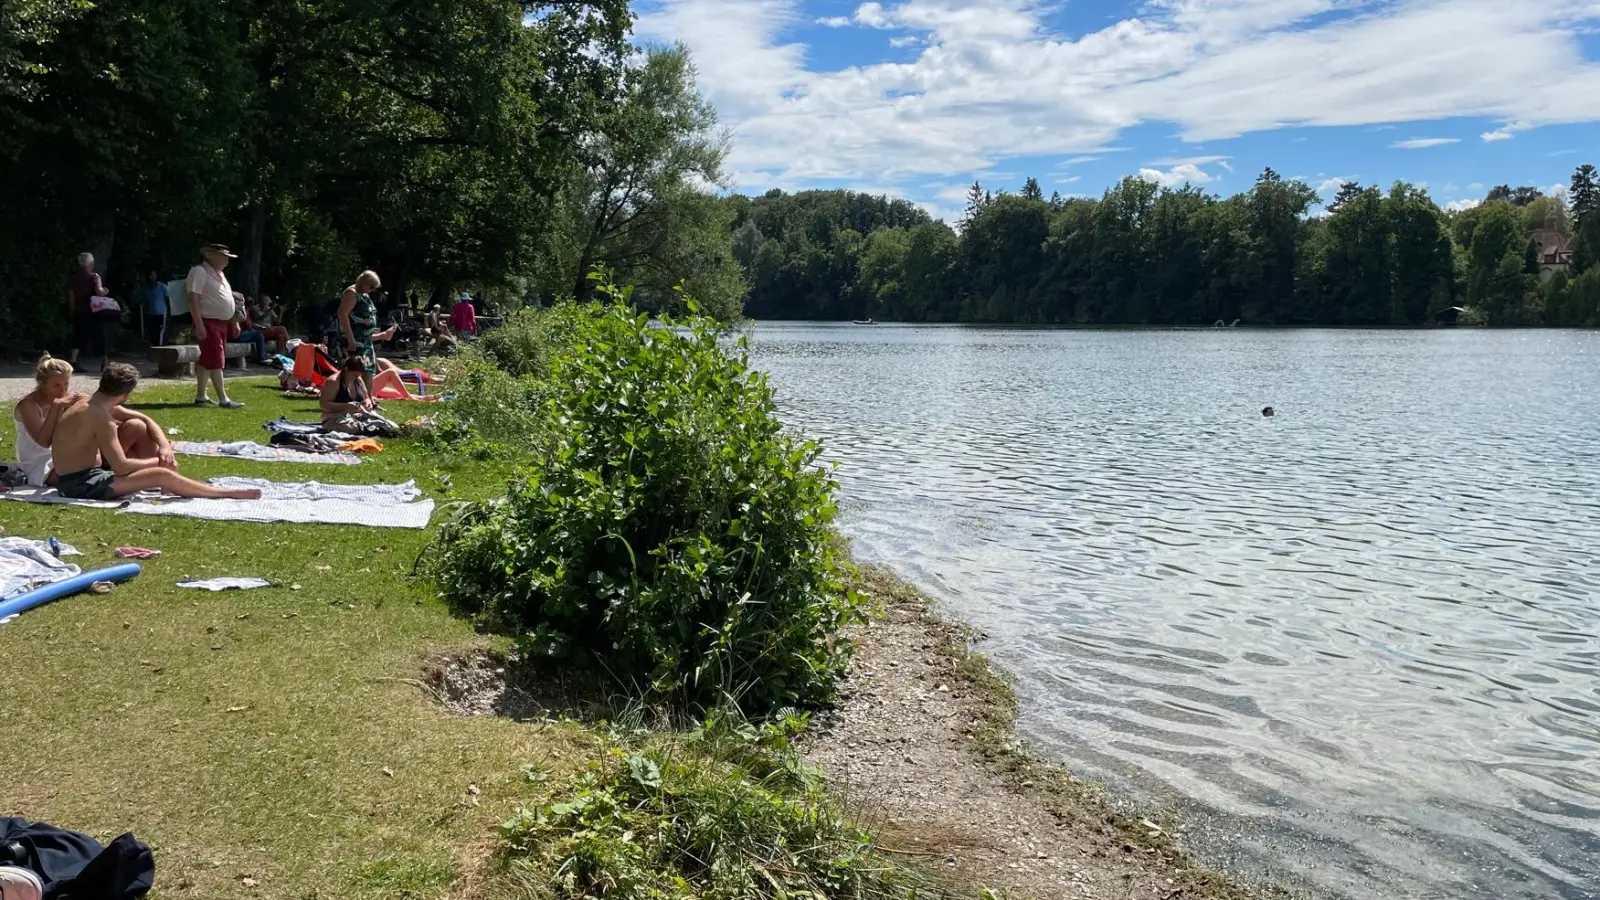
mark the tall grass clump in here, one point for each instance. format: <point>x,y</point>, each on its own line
<point>669,530</point>
<point>501,385</point>
<point>728,812</point>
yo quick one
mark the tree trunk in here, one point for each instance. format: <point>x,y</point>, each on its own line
<point>254,237</point>
<point>102,243</point>
<point>396,274</point>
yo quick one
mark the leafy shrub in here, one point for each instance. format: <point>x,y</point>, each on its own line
<point>500,385</point>
<point>668,529</point>
<point>687,821</point>
<point>529,340</point>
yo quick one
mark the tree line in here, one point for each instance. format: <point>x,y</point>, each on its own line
<point>1145,255</point>
<point>515,146</point>
<point>507,146</point>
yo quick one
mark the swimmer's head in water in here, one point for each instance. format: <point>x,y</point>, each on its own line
<point>1266,413</point>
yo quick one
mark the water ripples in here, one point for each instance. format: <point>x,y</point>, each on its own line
<point>1361,637</point>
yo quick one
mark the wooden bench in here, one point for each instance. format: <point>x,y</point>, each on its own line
<point>179,359</point>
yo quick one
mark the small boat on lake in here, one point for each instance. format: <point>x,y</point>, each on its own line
<point>865,322</point>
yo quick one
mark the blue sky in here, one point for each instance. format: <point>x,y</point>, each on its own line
<point>919,98</point>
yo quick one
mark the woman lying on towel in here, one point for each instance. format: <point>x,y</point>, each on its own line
<point>346,405</point>
<point>391,383</point>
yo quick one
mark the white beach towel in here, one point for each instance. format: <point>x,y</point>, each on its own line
<point>263,453</point>
<point>376,505</point>
<point>51,495</point>
<point>226,584</point>
<point>27,564</point>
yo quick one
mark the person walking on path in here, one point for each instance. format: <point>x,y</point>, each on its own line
<point>211,309</point>
<point>153,305</point>
<point>88,330</point>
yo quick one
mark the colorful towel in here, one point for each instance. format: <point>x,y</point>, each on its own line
<point>262,453</point>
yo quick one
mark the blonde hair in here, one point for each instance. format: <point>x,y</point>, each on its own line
<point>49,367</point>
<point>370,277</point>
<point>85,259</point>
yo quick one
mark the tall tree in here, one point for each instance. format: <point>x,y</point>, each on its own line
<point>1497,279</point>
<point>26,28</point>
<point>639,207</point>
<point>1277,211</point>
<point>1585,199</point>
<point>1518,196</point>
<point>977,197</point>
<point>1031,189</point>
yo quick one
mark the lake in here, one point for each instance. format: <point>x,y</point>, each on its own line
<point>1357,644</point>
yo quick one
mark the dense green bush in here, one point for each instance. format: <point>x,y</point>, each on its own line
<point>668,528</point>
<point>529,340</point>
<point>501,387</point>
<point>693,820</point>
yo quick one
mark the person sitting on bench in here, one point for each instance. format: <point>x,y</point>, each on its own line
<point>94,440</point>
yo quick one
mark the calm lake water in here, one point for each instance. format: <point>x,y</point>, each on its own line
<point>1358,642</point>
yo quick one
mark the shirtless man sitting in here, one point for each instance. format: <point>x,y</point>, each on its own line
<point>94,440</point>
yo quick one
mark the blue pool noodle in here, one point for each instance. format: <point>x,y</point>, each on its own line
<point>41,596</point>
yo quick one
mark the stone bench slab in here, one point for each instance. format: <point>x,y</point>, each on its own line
<point>179,359</point>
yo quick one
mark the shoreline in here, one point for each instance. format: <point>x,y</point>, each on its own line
<point>923,737</point>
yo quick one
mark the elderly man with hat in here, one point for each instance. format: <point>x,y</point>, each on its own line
<point>211,308</point>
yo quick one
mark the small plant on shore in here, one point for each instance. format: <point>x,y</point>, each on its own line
<point>721,816</point>
<point>669,529</point>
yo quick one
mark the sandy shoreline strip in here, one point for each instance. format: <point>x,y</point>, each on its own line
<point>922,743</point>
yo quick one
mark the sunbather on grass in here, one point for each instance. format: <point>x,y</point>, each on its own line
<point>37,415</point>
<point>104,450</point>
<point>344,397</point>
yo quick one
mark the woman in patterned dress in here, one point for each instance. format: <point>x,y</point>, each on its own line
<point>358,320</point>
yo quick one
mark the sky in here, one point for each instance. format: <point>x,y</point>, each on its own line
<point>918,99</point>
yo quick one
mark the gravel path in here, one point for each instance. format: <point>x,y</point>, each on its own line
<point>902,743</point>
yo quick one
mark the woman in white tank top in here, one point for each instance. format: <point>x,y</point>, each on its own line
<point>37,413</point>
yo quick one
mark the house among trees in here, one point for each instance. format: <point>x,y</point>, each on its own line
<point>1554,250</point>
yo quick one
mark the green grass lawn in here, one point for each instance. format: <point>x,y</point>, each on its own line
<point>266,743</point>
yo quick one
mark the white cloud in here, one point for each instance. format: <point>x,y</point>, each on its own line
<point>1423,143</point>
<point>1462,205</point>
<point>1073,180</point>
<point>904,40</point>
<point>873,15</point>
<point>1189,161</point>
<point>834,21</point>
<point>1332,185</point>
<point>1184,173</point>
<point>993,82</point>
<point>1079,160</point>
<point>1563,152</point>
<point>1505,132</point>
